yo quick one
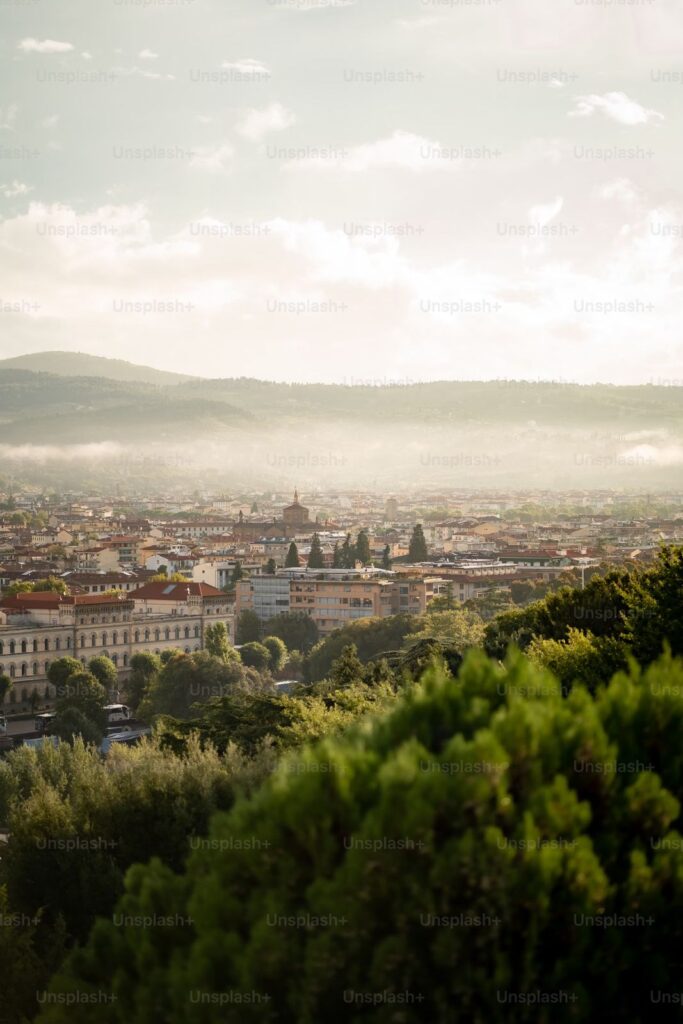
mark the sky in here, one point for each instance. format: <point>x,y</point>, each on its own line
<point>368,191</point>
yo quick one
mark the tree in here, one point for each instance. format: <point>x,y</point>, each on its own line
<point>386,558</point>
<point>237,574</point>
<point>59,671</point>
<point>299,632</point>
<point>417,551</point>
<point>315,558</point>
<point>51,583</point>
<point>277,651</point>
<point>336,557</point>
<point>347,555</point>
<point>372,638</point>
<point>248,627</point>
<point>292,559</point>
<point>459,629</point>
<point>270,567</point>
<point>255,655</point>
<point>83,701</point>
<point>6,685</point>
<point>105,672</point>
<point>347,669</point>
<point>478,823</point>
<point>217,643</point>
<point>188,680</point>
<point>362,548</point>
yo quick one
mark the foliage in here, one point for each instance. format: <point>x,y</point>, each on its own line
<point>81,707</point>
<point>277,650</point>
<point>292,559</point>
<point>105,672</point>
<point>217,642</point>
<point>315,557</point>
<point>469,848</point>
<point>298,632</point>
<point>255,655</point>
<point>417,549</point>
<point>459,629</point>
<point>186,680</point>
<point>372,637</point>
<point>248,627</point>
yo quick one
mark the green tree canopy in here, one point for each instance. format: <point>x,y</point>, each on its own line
<point>292,559</point>
<point>417,550</point>
<point>468,848</point>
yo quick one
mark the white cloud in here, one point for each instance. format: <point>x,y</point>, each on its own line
<point>247,66</point>
<point>617,106</point>
<point>621,188</point>
<point>15,188</point>
<point>213,158</point>
<point>148,55</point>
<point>543,213</point>
<point>86,55</point>
<point>31,45</point>
<point>51,122</point>
<point>257,123</point>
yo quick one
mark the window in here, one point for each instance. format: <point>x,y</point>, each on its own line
<point>24,646</point>
<point>12,647</point>
<point>35,646</point>
<point>93,640</point>
<point>82,643</point>
<point>58,644</point>
<point>137,636</point>
<point>47,643</point>
<point>24,668</point>
<point>35,668</point>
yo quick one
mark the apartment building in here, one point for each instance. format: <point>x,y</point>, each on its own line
<point>334,597</point>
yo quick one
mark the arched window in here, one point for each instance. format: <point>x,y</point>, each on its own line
<point>146,634</point>
<point>35,646</point>
<point>93,639</point>
<point>35,668</point>
<point>114,638</point>
<point>12,647</point>
<point>137,636</point>
<point>24,646</point>
<point>125,637</point>
<point>167,633</point>
<point>24,668</point>
<point>177,632</point>
<point>115,658</point>
<point>187,650</point>
<point>12,671</point>
<point>47,643</point>
<point>47,665</point>
<point>2,647</point>
<point>125,660</point>
<point>196,630</point>
<point>58,643</point>
<point>68,643</point>
<point>157,634</point>
<point>82,640</point>
<point>187,632</point>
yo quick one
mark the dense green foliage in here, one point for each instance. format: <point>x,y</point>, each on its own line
<point>471,846</point>
<point>371,637</point>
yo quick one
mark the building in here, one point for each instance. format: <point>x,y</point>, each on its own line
<point>36,628</point>
<point>335,597</point>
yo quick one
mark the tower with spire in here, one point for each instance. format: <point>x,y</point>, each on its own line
<point>296,514</point>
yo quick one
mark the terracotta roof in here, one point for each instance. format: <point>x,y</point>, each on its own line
<point>50,599</point>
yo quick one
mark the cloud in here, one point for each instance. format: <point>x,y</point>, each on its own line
<point>257,123</point>
<point>400,150</point>
<point>86,55</point>
<point>621,188</point>
<point>148,55</point>
<point>8,117</point>
<point>213,158</point>
<point>51,122</point>
<point>545,212</point>
<point>31,45</point>
<point>15,188</point>
<point>617,106</point>
<point>247,66</point>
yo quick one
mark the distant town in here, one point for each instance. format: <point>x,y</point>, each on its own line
<point>88,576</point>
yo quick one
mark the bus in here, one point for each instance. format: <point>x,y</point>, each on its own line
<point>117,713</point>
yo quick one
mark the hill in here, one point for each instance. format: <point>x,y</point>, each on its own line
<point>80,364</point>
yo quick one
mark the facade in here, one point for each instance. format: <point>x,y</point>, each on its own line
<point>37,628</point>
<point>334,597</point>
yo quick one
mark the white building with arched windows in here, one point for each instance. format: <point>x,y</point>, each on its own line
<point>36,628</point>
